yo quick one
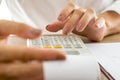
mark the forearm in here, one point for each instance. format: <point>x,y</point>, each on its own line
<point>112,22</point>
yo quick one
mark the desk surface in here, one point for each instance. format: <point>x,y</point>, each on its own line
<point>108,39</point>
<point>111,38</point>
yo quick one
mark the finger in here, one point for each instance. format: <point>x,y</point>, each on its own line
<point>56,26</point>
<point>3,41</point>
<point>86,18</point>
<point>100,26</point>
<point>19,29</point>
<point>21,71</point>
<point>12,53</point>
<point>66,11</point>
<point>98,30</point>
<point>100,22</point>
<point>70,24</point>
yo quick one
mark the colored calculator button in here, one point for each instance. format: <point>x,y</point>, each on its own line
<point>47,47</point>
<point>58,46</point>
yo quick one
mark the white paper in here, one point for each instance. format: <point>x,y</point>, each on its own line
<point>73,68</point>
<point>108,54</point>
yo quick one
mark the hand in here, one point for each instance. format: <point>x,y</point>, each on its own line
<point>80,21</point>
<point>20,62</point>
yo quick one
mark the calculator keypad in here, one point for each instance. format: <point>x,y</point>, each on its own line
<point>58,42</point>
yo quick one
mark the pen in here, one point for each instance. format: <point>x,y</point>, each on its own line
<point>107,74</point>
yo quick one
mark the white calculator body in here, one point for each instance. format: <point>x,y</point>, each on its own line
<point>80,63</point>
<point>71,45</point>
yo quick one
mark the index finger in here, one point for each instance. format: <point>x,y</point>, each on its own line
<point>66,11</point>
<point>11,53</point>
<point>19,29</point>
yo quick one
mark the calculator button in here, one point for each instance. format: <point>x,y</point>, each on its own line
<point>36,43</point>
<point>58,42</point>
<point>77,46</point>
<point>58,46</point>
<point>46,42</point>
<point>67,45</point>
<point>47,46</point>
<point>73,52</point>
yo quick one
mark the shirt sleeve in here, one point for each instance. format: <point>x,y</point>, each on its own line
<point>0,1</point>
<point>115,6</point>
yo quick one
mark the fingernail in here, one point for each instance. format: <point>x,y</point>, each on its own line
<point>48,25</point>
<point>61,17</point>
<point>78,28</point>
<point>35,32</point>
<point>34,62</point>
<point>61,57</point>
<point>100,25</point>
<point>65,31</point>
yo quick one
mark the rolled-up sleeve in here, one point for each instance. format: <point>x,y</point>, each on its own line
<point>115,6</point>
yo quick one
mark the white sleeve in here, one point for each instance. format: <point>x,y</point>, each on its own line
<point>115,6</point>
<point>0,1</point>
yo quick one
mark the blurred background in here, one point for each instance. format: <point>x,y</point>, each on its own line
<point>4,12</point>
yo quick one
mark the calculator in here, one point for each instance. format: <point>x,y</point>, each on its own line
<point>71,44</point>
<point>80,63</point>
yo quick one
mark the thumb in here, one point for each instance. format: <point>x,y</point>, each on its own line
<point>54,27</point>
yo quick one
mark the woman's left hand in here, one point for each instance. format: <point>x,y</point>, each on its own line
<point>79,21</point>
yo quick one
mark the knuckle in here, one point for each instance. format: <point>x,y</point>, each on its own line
<point>71,4</point>
<point>91,10</point>
<point>89,14</point>
<point>78,11</point>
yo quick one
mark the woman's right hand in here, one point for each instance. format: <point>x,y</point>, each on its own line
<point>21,62</point>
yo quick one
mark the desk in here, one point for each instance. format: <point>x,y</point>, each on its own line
<point>109,39</point>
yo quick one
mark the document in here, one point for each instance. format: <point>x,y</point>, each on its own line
<point>108,55</point>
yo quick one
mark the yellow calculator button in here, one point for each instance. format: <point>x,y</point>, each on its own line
<point>58,46</point>
<point>47,47</point>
